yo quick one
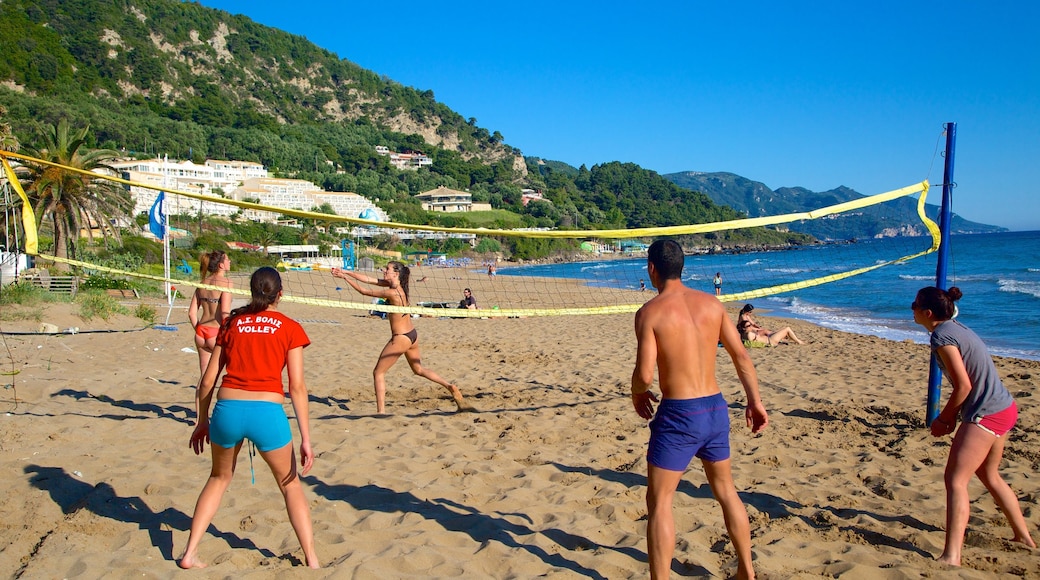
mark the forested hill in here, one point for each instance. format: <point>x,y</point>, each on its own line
<point>756,199</point>
<point>179,61</point>
<point>155,77</point>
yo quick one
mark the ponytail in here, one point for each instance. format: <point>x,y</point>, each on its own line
<point>940,302</point>
<point>209,263</point>
<point>265,287</point>
<point>404,273</point>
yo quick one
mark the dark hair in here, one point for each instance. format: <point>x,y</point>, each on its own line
<point>939,301</point>
<point>264,286</point>
<point>467,290</point>
<point>209,263</point>
<point>747,308</point>
<point>667,257</point>
<point>404,274</point>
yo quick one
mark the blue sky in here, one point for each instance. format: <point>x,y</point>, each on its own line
<point>814,94</point>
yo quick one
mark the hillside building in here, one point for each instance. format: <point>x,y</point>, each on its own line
<point>238,180</point>
<point>449,200</point>
<point>215,178</point>
<point>411,160</point>
<point>303,195</point>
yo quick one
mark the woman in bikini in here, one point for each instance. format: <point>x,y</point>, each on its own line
<point>214,305</point>
<point>987,412</point>
<point>751,331</point>
<point>404,339</point>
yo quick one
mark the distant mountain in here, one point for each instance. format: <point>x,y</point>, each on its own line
<point>756,199</point>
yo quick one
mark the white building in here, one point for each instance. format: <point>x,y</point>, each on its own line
<point>213,178</point>
<point>445,199</point>
<point>238,180</point>
<point>411,160</point>
<point>302,195</point>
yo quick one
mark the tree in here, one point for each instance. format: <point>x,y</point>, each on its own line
<point>8,142</point>
<point>74,199</point>
<point>265,236</point>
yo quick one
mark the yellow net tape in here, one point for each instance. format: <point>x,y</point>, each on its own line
<point>922,188</point>
<point>28,217</point>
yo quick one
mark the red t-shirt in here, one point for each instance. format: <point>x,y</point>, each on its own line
<point>255,348</point>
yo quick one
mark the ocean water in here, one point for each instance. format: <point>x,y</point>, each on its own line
<point>999,275</point>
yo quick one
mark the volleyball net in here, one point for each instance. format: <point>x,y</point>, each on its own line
<point>510,272</point>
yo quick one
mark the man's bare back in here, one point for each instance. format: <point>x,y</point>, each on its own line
<point>682,327</point>
<point>677,333</point>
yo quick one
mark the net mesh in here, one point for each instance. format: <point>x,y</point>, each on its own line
<point>602,272</point>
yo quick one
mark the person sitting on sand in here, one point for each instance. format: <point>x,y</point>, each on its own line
<point>255,343</point>
<point>750,331</point>
<point>987,411</point>
<point>404,339</point>
<point>468,301</point>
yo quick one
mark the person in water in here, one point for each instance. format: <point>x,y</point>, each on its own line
<point>404,338</point>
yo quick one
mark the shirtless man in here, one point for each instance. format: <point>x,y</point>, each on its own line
<point>678,332</point>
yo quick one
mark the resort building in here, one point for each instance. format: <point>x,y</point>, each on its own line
<point>303,195</point>
<point>215,178</point>
<point>450,200</point>
<point>238,180</point>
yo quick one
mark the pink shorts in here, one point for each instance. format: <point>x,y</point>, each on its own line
<point>999,423</point>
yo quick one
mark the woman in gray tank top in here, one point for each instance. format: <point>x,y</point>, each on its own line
<point>987,412</point>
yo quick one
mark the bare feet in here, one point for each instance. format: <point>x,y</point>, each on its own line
<point>944,559</point>
<point>1028,541</point>
<point>460,404</point>
<point>189,562</point>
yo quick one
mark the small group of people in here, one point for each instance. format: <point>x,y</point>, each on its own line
<point>251,346</point>
<point>677,333</point>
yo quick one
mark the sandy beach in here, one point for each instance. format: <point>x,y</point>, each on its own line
<point>546,479</point>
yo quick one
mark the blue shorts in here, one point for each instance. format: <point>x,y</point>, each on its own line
<point>686,428</point>
<point>262,422</point>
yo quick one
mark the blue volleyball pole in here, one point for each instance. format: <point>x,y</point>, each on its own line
<point>934,374</point>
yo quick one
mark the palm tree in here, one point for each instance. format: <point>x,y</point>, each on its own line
<point>8,142</point>
<point>265,236</point>
<point>69,198</point>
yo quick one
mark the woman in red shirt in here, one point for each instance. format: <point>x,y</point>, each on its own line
<point>255,343</point>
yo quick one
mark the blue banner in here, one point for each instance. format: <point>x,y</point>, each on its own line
<point>157,218</point>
